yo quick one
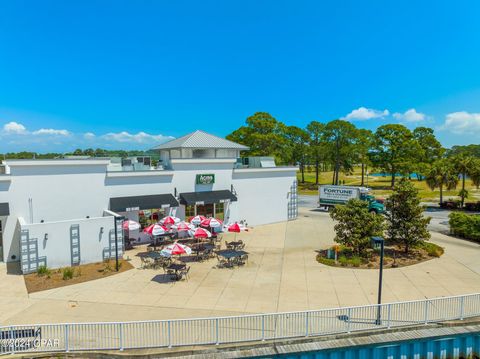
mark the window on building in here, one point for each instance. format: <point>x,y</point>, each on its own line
<point>200,153</point>
<point>219,211</point>
<point>190,210</point>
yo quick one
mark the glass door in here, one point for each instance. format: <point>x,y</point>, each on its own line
<point>205,210</point>
<point>219,211</point>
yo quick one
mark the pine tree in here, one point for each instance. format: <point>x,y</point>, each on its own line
<point>356,226</point>
<point>405,221</point>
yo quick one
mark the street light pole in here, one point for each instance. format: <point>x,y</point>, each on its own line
<point>115,218</point>
<point>379,241</point>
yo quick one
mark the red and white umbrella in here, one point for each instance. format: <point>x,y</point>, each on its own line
<point>169,220</point>
<point>201,233</point>
<point>156,229</point>
<point>183,226</point>
<point>235,227</point>
<point>196,220</point>
<point>211,222</point>
<point>130,225</point>
<point>175,249</point>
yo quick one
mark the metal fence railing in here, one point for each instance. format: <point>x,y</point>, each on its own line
<point>221,330</point>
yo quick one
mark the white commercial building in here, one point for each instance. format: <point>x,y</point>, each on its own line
<point>62,212</point>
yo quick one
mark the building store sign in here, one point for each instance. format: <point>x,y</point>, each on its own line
<point>205,179</point>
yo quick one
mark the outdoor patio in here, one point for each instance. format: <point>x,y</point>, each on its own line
<point>281,275</point>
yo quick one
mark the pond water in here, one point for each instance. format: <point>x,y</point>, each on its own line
<point>380,174</point>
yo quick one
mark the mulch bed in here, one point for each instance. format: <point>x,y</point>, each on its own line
<point>82,273</point>
<point>394,257</point>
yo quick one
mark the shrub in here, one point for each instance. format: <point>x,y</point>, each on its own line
<point>432,249</point>
<point>465,225</point>
<point>343,261</point>
<point>356,261</point>
<point>326,261</point>
<point>67,273</point>
<point>43,270</point>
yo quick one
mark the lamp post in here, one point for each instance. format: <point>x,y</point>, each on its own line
<point>379,243</point>
<point>115,219</point>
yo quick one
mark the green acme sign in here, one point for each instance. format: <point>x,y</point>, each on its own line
<point>206,179</point>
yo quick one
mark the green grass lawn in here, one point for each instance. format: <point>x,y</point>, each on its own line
<point>381,186</point>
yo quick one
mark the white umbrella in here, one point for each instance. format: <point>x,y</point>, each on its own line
<point>183,226</point>
<point>156,229</point>
<point>175,249</point>
<point>197,220</point>
<point>211,222</point>
<point>169,220</point>
<point>131,225</point>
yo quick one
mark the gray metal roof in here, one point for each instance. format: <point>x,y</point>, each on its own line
<point>200,139</point>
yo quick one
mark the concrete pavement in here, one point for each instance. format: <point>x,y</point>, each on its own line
<point>281,275</point>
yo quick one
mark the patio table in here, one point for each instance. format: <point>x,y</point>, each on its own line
<point>154,255</point>
<point>232,255</point>
<point>176,267</point>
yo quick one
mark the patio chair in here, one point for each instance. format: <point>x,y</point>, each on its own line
<point>242,260</point>
<point>222,262</point>
<point>229,245</point>
<point>240,246</point>
<point>184,273</point>
<point>146,263</point>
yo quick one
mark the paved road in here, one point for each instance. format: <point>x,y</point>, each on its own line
<point>438,223</point>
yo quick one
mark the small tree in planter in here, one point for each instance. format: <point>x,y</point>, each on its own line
<point>405,221</point>
<point>356,226</point>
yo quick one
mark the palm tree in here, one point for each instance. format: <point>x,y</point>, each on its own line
<point>442,174</point>
<point>475,172</point>
<point>464,165</point>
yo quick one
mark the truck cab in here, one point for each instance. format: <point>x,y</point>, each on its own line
<point>373,204</point>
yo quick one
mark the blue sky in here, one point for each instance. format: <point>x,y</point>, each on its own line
<point>128,74</point>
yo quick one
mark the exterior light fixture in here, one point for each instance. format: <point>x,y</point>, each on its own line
<point>46,236</point>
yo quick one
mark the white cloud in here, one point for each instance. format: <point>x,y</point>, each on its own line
<point>12,138</point>
<point>140,137</point>
<point>363,113</point>
<point>410,116</point>
<point>462,122</point>
<point>14,127</point>
<point>51,131</point>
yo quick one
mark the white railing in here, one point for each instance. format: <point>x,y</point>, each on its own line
<point>223,330</point>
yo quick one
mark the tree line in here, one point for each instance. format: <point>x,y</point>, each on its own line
<point>339,145</point>
<point>99,152</point>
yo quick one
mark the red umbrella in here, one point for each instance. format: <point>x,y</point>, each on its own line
<point>176,249</point>
<point>211,222</point>
<point>202,233</point>
<point>234,228</point>
<point>156,229</point>
<point>169,220</point>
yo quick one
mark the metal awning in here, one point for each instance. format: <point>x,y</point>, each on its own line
<point>4,209</point>
<point>134,203</point>
<point>207,197</point>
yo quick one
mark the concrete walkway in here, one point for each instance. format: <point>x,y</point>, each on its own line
<point>281,275</point>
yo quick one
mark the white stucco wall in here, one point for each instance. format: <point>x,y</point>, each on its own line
<point>262,194</point>
<point>57,247</point>
<point>71,190</point>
